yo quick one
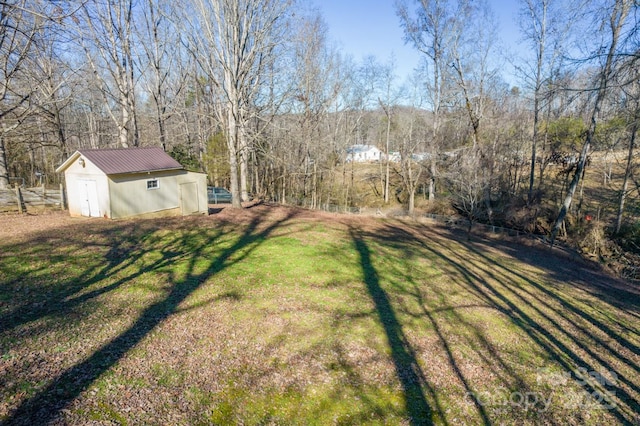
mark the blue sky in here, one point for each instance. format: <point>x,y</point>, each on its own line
<point>363,27</point>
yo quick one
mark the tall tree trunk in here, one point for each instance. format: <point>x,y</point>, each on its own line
<point>545,145</point>
<point>387,161</point>
<point>4,167</point>
<point>534,147</point>
<point>627,175</point>
<point>134,118</point>
<point>432,179</point>
<point>412,201</point>
<point>616,21</point>
<point>161,130</point>
<point>244,165</point>
<point>123,126</point>
<point>540,36</point>
<point>232,145</point>
<point>62,138</point>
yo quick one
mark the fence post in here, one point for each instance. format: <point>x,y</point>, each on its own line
<point>44,194</point>
<point>62,198</point>
<point>21,207</point>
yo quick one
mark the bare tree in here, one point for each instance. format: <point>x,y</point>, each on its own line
<point>545,24</point>
<point>20,22</point>
<point>631,90</point>
<point>413,132</point>
<point>105,33</point>
<point>468,185</point>
<point>615,17</point>
<point>387,104</point>
<point>472,59</point>
<point>233,41</point>
<point>158,50</point>
<point>430,31</point>
<point>315,88</point>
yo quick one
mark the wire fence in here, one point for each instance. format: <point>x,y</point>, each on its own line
<point>462,223</point>
<point>21,200</point>
<point>453,222</point>
<point>327,207</point>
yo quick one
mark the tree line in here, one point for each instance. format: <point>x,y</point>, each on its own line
<point>256,94</point>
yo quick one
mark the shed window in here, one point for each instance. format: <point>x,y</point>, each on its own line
<point>153,184</point>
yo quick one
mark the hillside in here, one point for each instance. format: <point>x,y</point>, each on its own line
<point>275,315</point>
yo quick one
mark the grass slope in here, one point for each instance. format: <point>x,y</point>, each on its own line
<point>275,315</point>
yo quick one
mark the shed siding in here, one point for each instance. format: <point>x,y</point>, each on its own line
<point>130,196</point>
<point>201,180</point>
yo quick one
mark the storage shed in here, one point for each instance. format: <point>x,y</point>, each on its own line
<point>128,182</point>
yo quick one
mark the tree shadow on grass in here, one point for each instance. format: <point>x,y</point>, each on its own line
<point>405,284</point>
<point>408,370</point>
<point>47,296</point>
<point>582,342</point>
<point>46,405</point>
<point>560,324</point>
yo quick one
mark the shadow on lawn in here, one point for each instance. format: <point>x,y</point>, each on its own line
<point>578,335</point>
<point>58,301</point>
<point>46,405</point>
<point>406,365</point>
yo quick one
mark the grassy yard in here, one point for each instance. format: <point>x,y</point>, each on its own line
<point>281,316</point>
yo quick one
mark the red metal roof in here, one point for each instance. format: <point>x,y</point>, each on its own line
<point>130,160</point>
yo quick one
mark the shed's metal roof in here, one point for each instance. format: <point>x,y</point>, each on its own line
<point>130,160</point>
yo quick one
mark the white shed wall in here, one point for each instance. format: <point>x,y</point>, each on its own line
<point>75,173</point>
<point>201,181</point>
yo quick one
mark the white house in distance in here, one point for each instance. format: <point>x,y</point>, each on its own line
<point>363,154</point>
<point>128,182</point>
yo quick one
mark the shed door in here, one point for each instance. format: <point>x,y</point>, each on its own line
<point>189,198</point>
<point>88,193</point>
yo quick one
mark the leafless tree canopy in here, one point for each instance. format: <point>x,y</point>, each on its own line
<point>258,95</point>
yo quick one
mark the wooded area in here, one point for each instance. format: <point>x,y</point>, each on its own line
<point>255,93</point>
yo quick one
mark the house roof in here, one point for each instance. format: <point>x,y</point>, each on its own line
<point>126,160</point>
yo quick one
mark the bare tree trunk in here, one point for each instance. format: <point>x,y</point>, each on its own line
<point>62,139</point>
<point>123,126</point>
<point>386,174</point>
<point>244,166</point>
<point>232,146</point>
<point>4,169</point>
<point>545,144</point>
<point>412,201</point>
<point>134,117</point>
<point>162,131</point>
<point>538,28</point>
<point>627,175</point>
<point>314,187</point>
<point>616,21</point>
<point>432,179</point>
<point>534,147</point>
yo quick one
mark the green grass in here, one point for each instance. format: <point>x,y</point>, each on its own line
<point>279,317</point>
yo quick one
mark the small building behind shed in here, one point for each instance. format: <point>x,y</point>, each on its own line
<point>129,182</point>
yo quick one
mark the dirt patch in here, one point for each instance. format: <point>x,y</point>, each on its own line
<point>15,225</point>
